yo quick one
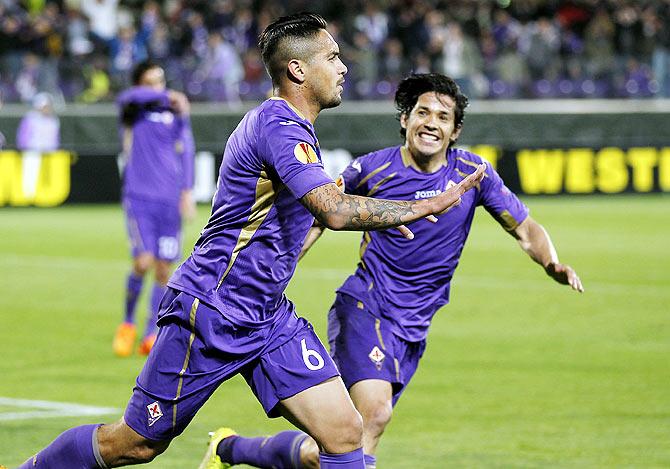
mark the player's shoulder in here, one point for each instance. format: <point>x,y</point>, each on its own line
<point>385,157</point>
<point>465,162</point>
<point>464,157</point>
<point>277,114</point>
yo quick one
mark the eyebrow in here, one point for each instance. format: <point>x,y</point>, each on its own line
<point>426,108</point>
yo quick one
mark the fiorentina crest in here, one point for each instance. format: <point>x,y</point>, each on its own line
<point>377,357</point>
<point>155,412</point>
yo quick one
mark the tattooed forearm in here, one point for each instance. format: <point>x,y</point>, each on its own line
<point>340,211</point>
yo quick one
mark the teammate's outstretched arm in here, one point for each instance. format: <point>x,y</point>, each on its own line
<point>535,241</point>
<point>339,211</point>
<point>313,235</point>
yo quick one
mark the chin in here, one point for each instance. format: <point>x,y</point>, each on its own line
<point>333,103</point>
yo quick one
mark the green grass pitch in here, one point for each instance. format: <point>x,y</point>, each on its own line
<point>519,372</point>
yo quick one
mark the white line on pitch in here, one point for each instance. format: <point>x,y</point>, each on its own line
<point>49,409</point>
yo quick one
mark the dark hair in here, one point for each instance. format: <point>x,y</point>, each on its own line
<point>271,41</point>
<point>415,85</point>
<point>140,69</point>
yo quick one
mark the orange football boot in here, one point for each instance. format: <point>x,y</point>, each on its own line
<point>124,339</point>
<point>147,344</point>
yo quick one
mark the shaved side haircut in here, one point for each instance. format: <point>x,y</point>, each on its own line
<point>288,38</point>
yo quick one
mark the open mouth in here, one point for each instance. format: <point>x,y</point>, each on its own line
<point>428,138</point>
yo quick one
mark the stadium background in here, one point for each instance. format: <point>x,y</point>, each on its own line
<point>519,371</point>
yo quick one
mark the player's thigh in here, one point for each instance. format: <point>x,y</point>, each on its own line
<point>362,345</point>
<point>326,412</point>
<point>298,379</point>
<point>168,232</point>
<point>187,363</point>
<point>141,226</point>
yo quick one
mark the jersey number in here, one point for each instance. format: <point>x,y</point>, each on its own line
<point>307,355</point>
<point>168,247</point>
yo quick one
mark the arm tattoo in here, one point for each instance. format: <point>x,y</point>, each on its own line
<point>338,210</point>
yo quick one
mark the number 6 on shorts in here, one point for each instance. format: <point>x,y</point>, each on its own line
<point>306,357</point>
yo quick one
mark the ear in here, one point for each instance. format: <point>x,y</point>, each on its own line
<point>296,70</point>
<point>455,134</point>
<point>403,120</point>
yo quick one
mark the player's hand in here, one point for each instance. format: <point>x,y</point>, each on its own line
<point>565,275</point>
<point>179,102</point>
<point>407,233</point>
<point>187,205</point>
<point>452,196</point>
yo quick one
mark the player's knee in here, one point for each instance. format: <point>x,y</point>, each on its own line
<point>120,445</point>
<point>143,263</point>
<point>377,416</point>
<point>145,452</point>
<point>349,435</point>
<point>309,454</point>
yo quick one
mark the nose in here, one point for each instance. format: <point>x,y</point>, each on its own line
<point>344,69</point>
<point>429,123</point>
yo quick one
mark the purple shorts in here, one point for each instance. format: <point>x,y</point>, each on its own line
<point>364,346</point>
<point>153,227</point>
<point>197,349</point>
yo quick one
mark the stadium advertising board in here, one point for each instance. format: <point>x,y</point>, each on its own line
<point>609,170</point>
<point>31,178</point>
<point>60,177</point>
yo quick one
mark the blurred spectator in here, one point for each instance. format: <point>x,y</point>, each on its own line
<point>364,65</point>
<point>599,45</point>
<point>461,58</point>
<point>98,81</point>
<point>127,50</point>
<point>38,132</point>
<point>27,79</point>
<point>542,48</point>
<point>102,15</point>
<point>220,71</point>
<point>373,23</point>
<point>78,43</point>
<point>393,66</point>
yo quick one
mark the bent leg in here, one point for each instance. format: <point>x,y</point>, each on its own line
<point>280,450</point>
<point>373,398</point>
<point>120,445</point>
<point>96,446</point>
<point>327,414</point>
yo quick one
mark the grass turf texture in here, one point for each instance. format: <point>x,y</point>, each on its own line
<point>519,371</point>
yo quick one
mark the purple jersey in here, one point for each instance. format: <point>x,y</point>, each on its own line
<point>249,249</point>
<point>407,281</point>
<point>159,165</point>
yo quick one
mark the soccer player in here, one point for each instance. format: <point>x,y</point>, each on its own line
<point>225,311</point>
<point>378,325</point>
<point>157,191</point>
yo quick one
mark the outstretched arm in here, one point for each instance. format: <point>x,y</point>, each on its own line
<point>339,211</point>
<point>535,241</point>
<point>313,235</point>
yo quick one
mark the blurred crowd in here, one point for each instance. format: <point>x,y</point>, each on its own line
<point>84,50</point>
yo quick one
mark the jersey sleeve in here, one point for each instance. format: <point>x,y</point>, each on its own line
<point>133,101</point>
<point>351,177</point>
<point>500,202</point>
<point>290,151</point>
